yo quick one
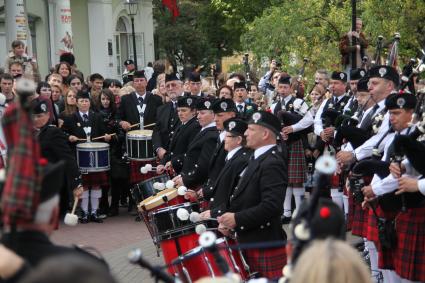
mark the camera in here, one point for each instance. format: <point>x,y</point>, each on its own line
<point>356,185</point>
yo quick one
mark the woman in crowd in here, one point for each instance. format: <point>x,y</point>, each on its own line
<point>75,83</point>
<point>57,99</point>
<point>160,88</point>
<point>114,85</point>
<point>63,69</point>
<point>70,103</point>
<point>119,171</point>
<point>44,91</point>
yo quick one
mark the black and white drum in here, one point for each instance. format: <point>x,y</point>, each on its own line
<point>93,157</point>
<point>139,145</point>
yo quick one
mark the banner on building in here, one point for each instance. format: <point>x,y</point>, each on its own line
<point>63,29</point>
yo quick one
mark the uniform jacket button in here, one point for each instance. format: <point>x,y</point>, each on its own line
<point>242,227</point>
<point>268,223</point>
<point>262,226</point>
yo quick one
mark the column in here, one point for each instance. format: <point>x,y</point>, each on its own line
<point>16,21</point>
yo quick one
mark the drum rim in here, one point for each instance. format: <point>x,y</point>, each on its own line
<point>149,203</point>
<point>179,205</point>
<point>96,145</point>
<point>152,178</point>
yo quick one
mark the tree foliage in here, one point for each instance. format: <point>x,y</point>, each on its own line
<point>312,28</point>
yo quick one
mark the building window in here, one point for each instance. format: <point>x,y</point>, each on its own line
<point>124,45</point>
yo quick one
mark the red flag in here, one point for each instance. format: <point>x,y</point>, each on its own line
<point>172,6</point>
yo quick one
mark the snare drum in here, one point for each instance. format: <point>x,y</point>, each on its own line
<point>166,223</point>
<point>145,189</point>
<point>139,145</point>
<point>93,157</point>
<point>199,262</point>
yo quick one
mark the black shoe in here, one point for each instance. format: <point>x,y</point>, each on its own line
<point>113,211</point>
<point>124,203</point>
<point>84,219</point>
<point>95,218</point>
<point>286,219</point>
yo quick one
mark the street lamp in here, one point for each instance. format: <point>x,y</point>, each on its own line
<point>132,7</point>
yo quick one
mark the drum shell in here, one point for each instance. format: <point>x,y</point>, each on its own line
<point>93,157</point>
<point>139,146</point>
<point>145,188</point>
<point>166,223</point>
<point>170,251</point>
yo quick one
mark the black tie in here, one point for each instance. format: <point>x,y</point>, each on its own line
<point>140,100</point>
<point>85,118</point>
<point>240,107</point>
<point>367,121</point>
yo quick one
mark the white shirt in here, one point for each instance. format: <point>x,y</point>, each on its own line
<point>222,136</point>
<point>212,124</point>
<point>142,96</point>
<point>318,123</point>
<point>261,150</point>
<point>365,150</point>
<point>84,113</point>
<point>231,153</point>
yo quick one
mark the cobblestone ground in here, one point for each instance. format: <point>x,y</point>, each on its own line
<point>114,239</point>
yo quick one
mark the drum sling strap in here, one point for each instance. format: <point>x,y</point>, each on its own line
<point>141,110</point>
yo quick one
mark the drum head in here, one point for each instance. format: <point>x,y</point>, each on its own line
<point>155,201</point>
<point>143,134</point>
<point>93,145</point>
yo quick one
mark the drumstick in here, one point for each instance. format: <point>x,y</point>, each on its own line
<point>101,137</point>
<point>145,126</point>
<point>78,139</point>
<point>74,207</point>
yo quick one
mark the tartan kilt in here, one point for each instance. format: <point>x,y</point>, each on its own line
<point>297,166</point>
<point>268,262</point>
<point>96,179</point>
<point>409,256</point>
<point>136,176</point>
<point>350,209</point>
<point>360,219</point>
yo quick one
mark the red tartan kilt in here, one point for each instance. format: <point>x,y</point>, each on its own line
<point>268,262</point>
<point>297,166</point>
<point>95,179</point>
<point>409,256</point>
<point>136,176</point>
<point>360,219</point>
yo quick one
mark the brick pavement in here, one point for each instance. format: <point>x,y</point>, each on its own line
<point>114,239</point>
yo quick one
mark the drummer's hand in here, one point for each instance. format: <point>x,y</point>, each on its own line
<point>78,192</point>
<point>161,152</point>
<point>228,220</point>
<point>125,125</point>
<point>160,169</point>
<point>205,215</point>
<point>395,169</point>
<point>407,185</point>
<point>168,165</point>
<point>223,230</point>
<point>368,192</point>
<point>345,157</point>
<point>107,137</point>
<point>365,204</point>
<point>60,123</point>
<point>190,195</point>
<point>316,153</point>
<point>288,130</point>
<point>178,181</point>
<point>72,138</point>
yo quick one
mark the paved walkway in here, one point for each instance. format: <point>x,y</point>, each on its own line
<point>114,239</point>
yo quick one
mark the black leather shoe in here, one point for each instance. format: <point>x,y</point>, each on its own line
<point>95,218</point>
<point>84,218</point>
<point>113,212</point>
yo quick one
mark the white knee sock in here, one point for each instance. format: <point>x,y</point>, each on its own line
<point>336,196</point>
<point>390,276</point>
<point>95,195</point>
<point>287,203</point>
<point>298,194</point>
<point>85,202</point>
<point>346,205</point>
<point>373,254</point>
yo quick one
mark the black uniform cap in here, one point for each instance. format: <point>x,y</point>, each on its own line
<point>339,76</point>
<point>385,72</point>
<point>267,120</point>
<point>235,126</point>
<point>224,105</point>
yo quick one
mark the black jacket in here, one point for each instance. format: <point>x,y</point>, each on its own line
<point>54,147</point>
<point>194,166</point>
<point>167,122</point>
<point>128,108</point>
<point>218,194</point>
<point>248,109</point>
<point>74,125</point>
<point>180,141</point>
<point>257,200</point>
<point>216,163</point>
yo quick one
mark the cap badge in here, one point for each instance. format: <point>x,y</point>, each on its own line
<point>401,102</point>
<point>342,76</point>
<point>43,107</point>
<point>223,105</point>
<point>207,104</point>
<point>256,117</point>
<point>232,125</point>
<point>189,101</point>
<point>362,73</point>
<point>382,72</point>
